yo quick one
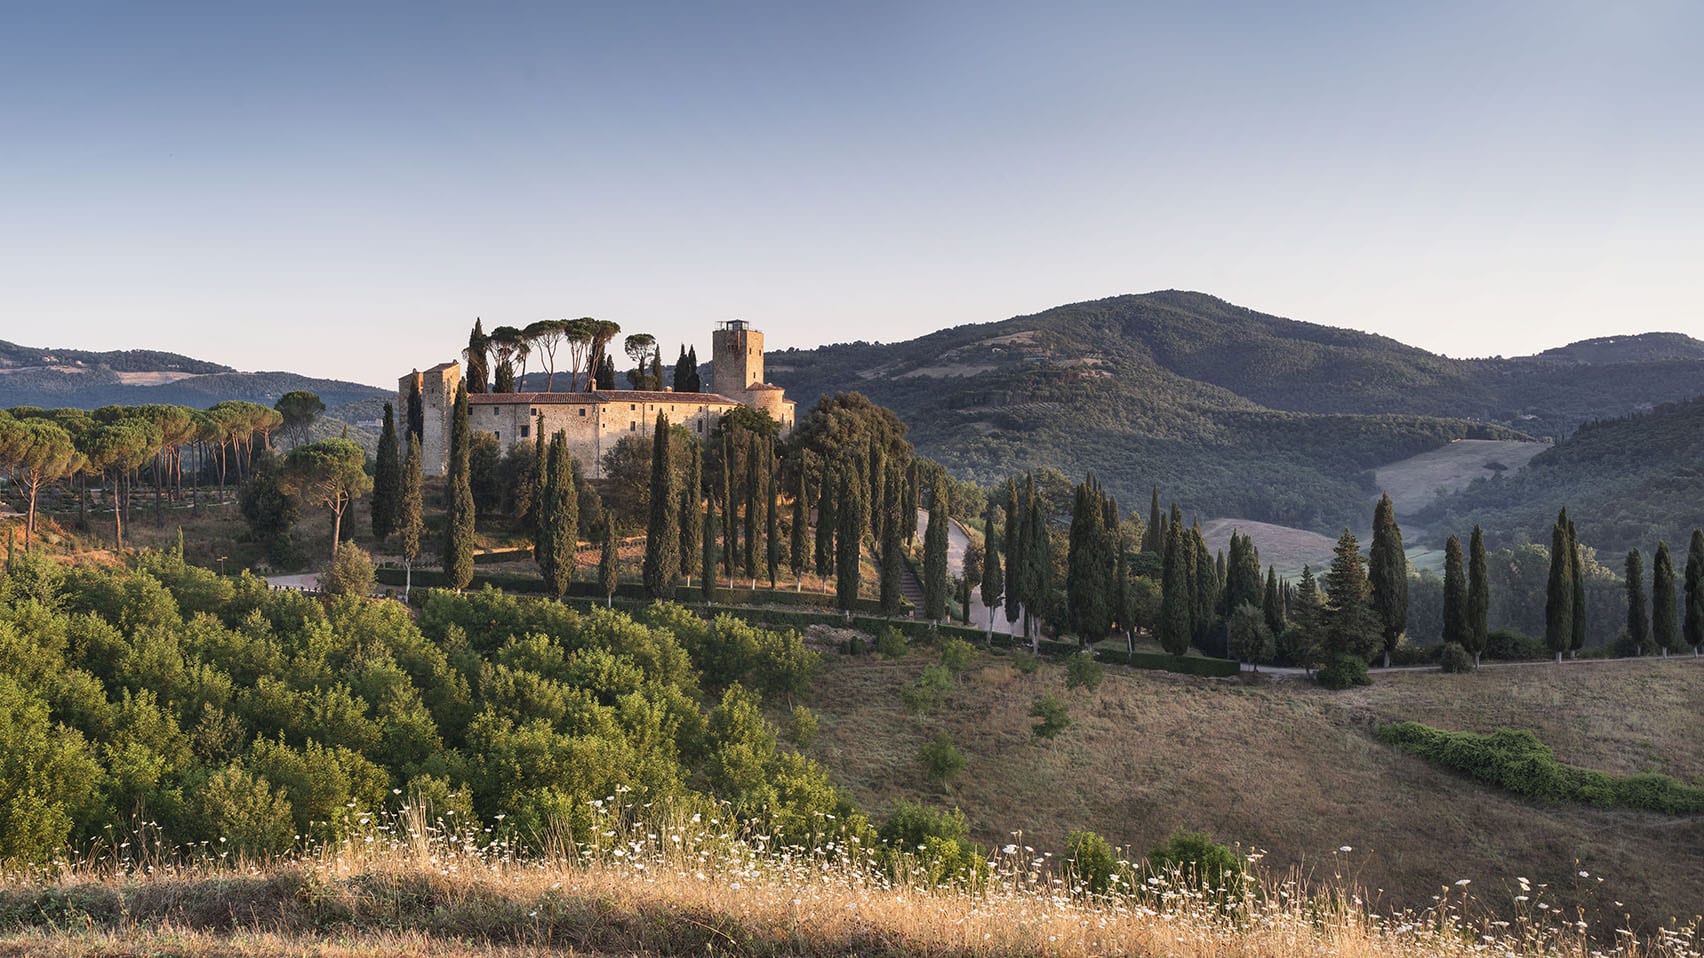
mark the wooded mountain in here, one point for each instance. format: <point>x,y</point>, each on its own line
<point>1234,412</point>
<point>31,376</point>
<point>1627,483</point>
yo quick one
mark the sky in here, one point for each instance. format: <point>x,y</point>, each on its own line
<point>340,189</point>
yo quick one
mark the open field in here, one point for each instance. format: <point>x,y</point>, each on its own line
<point>1292,770</point>
<point>1415,482</point>
<point>1283,547</point>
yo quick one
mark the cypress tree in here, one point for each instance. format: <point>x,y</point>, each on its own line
<point>1273,603</point>
<point>609,563</point>
<point>691,516</point>
<point>1387,570</point>
<point>410,514</point>
<point>797,554</point>
<point>1693,624</point>
<point>1013,542</point>
<point>730,515</point>
<point>1638,621</point>
<point>695,383</point>
<point>993,581</point>
<point>1559,591</point>
<point>1038,563</point>
<point>1090,564</point>
<point>892,549</point>
<point>771,524</point>
<point>753,502</point>
<point>1577,569</point>
<point>558,519</point>
<point>936,580</point>
<point>878,494</point>
<point>458,505</point>
<point>1478,597</point>
<point>1352,627</point>
<point>827,521</point>
<point>662,531</point>
<point>848,540</point>
<point>535,486</point>
<point>682,376</point>
<point>1206,582</point>
<point>913,500</point>
<point>387,478</point>
<point>707,581</point>
<point>416,411</point>
<point>1175,596</point>
<point>478,359</point>
<point>1153,537</point>
<point>1457,618</point>
<point>1665,602</point>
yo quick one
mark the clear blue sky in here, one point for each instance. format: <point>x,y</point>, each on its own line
<point>339,189</point>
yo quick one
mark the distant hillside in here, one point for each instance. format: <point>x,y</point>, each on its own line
<point>1234,412</point>
<point>67,377</point>
<point>1643,348</point>
<point>1626,482</point>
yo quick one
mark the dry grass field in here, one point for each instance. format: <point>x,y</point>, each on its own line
<point>1292,770</point>
<point>1414,482</point>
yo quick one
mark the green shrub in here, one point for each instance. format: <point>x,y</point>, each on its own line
<point>1054,717</point>
<point>931,687</point>
<point>801,727</point>
<point>350,572</point>
<point>1083,672</point>
<point>957,654</point>
<point>1515,760</point>
<point>1511,646</point>
<point>1194,859</point>
<point>1025,663</point>
<point>1455,659</point>
<point>890,642</point>
<point>1094,867</point>
<point>1344,671</point>
<point>941,759</point>
<point>855,646</point>
<point>929,847</point>
<point>249,816</point>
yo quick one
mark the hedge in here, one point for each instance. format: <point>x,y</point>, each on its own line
<point>688,595</point>
<point>1515,760</point>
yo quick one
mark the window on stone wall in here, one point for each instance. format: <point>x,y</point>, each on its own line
<point>499,435</point>
<point>582,413</point>
<point>525,430</point>
<point>633,426</point>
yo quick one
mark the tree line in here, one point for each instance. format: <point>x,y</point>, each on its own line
<point>496,362</point>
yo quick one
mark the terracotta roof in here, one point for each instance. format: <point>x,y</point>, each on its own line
<point>601,396</point>
<point>443,366</point>
<point>763,387</point>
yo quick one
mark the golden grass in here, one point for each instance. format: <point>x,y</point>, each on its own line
<point>661,884</point>
<point>1291,769</point>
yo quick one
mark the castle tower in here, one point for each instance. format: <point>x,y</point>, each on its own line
<point>737,358</point>
<point>437,404</point>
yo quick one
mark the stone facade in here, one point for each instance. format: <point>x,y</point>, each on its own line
<point>593,422</point>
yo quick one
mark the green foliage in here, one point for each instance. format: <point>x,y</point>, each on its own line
<point>1051,714</point>
<point>1516,761</point>
<point>1194,859</point>
<point>890,643</point>
<point>930,689</point>
<point>1094,866</point>
<point>941,760</point>
<point>1251,639</point>
<point>350,572</point>
<point>662,530</point>
<point>1027,663</point>
<point>1454,658</point>
<point>458,499</point>
<point>1345,670</point>
<point>1083,672</point>
<point>929,847</point>
<point>387,477</point>
<point>1351,625</point>
<point>268,509</point>
<point>802,726</point>
<point>957,654</point>
<point>558,519</point>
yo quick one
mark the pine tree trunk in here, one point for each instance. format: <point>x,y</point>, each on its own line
<point>1387,659</point>
<point>1558,658</point>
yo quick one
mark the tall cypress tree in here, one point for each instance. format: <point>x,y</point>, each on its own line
<point>913,500</point>
<point>1206,583</point>
<point>798,556</point>
<point>1559,591</point>
<point>827,522</point>
<point>1352,627</point>
<point>410,514</point>
<point>730,517</point>
<point>1038,563</point>
<point>848,540</point>
<point>1273,603</point>
<point>1478,597</point>
<point>1387,570</point>
<point>478,357</point>
<point>755,455</point>
<point>1013,542</point>
<point>662,531</point>
<point>1577,569</point>
<point>1693,624</point>
<point>691,516</point>
<point>707,581</point>
<point>559,518</point>
<point>878,495</point>
<point>1638,619</point>
<point>936,579</point>
<point>609,563</point>
<point>1665,602</point>
<point>771,524</point>
<point>416,411</point>
<point>535,486</point>
<point>387,478</point>
<point>891,553</point>
<point>458,496</point>
<point>1175,595</point>
<point>1090,589</point>
<point>1457,619</point>
<point>993,581</point>
<point>1153,537</point>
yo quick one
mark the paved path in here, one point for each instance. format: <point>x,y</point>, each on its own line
<point>300,583</point>
<point>957,541</point>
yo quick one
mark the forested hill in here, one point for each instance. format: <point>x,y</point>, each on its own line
<point>31,376</point>
<point>1627,483</point>
<point>1235,412</point>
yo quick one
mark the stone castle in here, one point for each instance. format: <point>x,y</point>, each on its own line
<point>595,420</point>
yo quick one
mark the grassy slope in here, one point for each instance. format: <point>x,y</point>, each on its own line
<point>1292,770</point>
